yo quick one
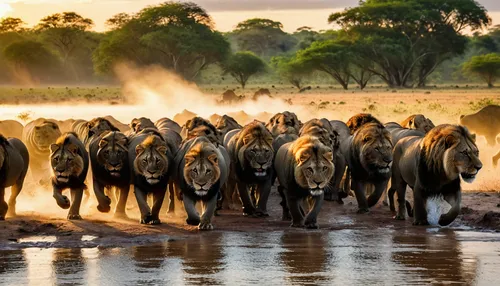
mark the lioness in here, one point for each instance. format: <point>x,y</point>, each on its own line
<point>201,170</point>
<point>304,169</point>
<point>11,128</point>
<point>418,122</point>
<point>138,124</point>
<point>14,161</point>
<point>433,165</point>
<point>280,123</point>
<point>197,127</point>
<point>485,122</point>
<point>70,162</point>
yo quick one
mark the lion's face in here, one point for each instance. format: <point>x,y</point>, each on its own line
<point>113,152</point>
<point>461,157</point>
<point>283,123</point>
<point>138,124</point>
<point>375,148</point>
<point>46,134</point>
<point>98,126</point>
<point>421,123</point>
<point>201,170</point>
<point>315,166</point>
<point>65,162</point>
<point>226,124</point>
<point>256,148</point>
<point>151,159</point>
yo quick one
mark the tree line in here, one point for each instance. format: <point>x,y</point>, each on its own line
<point>401,43</point>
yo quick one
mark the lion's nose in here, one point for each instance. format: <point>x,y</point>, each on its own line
<point>478,167</point>
<point>317,183</point>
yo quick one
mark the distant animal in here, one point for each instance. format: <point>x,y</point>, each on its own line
<point>485,122</point>
<point>230,97</point>
<point>14,162</point>
<point>261,92</point>
<point>184,116</point>
<point>11,128</point>
<point>418,122</point>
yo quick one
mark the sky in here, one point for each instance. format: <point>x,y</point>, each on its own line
<point>226,13</point>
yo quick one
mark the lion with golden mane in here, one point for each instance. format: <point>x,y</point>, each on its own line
<point>433,166</point>
<point>418,122</point>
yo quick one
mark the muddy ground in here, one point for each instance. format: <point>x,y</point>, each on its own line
<point>480,211</point>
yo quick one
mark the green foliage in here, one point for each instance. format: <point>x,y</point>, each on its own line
<point>480,104</point>
<point>291,70</point>
<point>11,25</point>
<point>243,65</point>
<point>486,67</point>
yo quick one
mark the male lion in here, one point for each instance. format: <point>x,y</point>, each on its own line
<point>485,122</point>
<point>11,128</point>
<point>358,120</point>
<point>304,168</point>
<point>369,157</point>
<point>201,170</point>
<point>88,130</point>
<point>138,124</point>
<point>150,160</point>
<point>14,161</point>
<point>399,132</point>
<point>432,166</point>
<point>38,135</point>
<point>197,126</point>
<point>110,170</point>
<point>279,123</point>
<point>225,124</point>
<point>70,162</point>
<point>252,154</point>
<point>164,123</point>
<point>418,122</point>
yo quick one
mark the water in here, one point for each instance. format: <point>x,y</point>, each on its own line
<point>380,256</point>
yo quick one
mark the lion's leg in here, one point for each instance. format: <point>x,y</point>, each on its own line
<point>454,199</point>
<point>312,216</point>
<point>248,206</point>
<point>208,212</point>
<point>141,198</point>
<point>171,198</point>
<point>104,202</point>
<point>190,206</point>
<point>295,212</point>
<point>14,192</point>
<point>359,190</point>
<point>286,212</point>
<point>76,201</point>
<point>495,159</point>
<point>122,201</point>
<point>400,186</point>
<point>61,199</point>
<point>158,198</point>
<point>263,191</point>
<point>380,188</point>
<point>419,211</point>
<point>491,139</point>
<point>3,205</point>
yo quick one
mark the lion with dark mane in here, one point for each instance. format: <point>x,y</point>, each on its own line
<point>70,162</point>
<point>252,155</point>
<point>280,123</point>
<point>304,168</point>
<point>225,124</point>
<point>418,122</point>
<point>433,166</point>
<point>197,127</point>
<point>358,120</point>
<point>14,161</point>
<point>88,130</point>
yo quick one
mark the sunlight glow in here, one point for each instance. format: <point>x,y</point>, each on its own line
<point>4,9</point>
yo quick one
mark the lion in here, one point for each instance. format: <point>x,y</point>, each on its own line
<point>399,132</point>
<point>358,120</point>
<point>433,166</point>
<point>230,97</point>
<point>38,135</point>
<point>11,128</point>
<point>65,125</point>
<point>14,162</point>
<point>225,124</point>
<point>88,130</point>
<point>150,160</point>
<point>138,124</point>
<point>304,168</point>
<point>184,116</point>
<point>110,170</point>
<point>418,122</point>
<point>69,163</point>
<point>368,153</point>
<point>197,126</point>
<point>121,126</point>
<point>476,123</point>
<point>261,93</point>
<point>495,159</point>
<point>201,170</point>
<point>279,123</point>
<point>167,123</point>
<point>252,155</point>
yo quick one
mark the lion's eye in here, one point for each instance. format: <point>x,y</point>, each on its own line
<point>195,171</point>
<point>70,159</point>
<point>325,168</point>
<point>209,171</point>
<point>144,161</point>
<point>157,161</point>
<point>310,170</point>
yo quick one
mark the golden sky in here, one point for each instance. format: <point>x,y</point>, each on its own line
<point>226,13</point>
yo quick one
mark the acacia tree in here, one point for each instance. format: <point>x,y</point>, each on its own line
<point>176,35</point>
<point>406,40</point>
<point>486,67</point>
<point>291,70</point>
<point>243,65</point>
<point>10,24</point>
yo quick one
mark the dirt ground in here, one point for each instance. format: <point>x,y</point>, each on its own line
<point>480,211</point>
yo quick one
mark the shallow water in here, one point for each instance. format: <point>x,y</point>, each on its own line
<point>344,257</point>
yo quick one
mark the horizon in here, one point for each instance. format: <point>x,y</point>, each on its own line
<point>225,13</point>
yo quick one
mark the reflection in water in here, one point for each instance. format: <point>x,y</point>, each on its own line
<point>305,256</point>
<point>434,258</point>
<point>348,256</point>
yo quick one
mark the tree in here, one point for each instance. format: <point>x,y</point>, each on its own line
<point>11,25</point>
<point>292,70</point>
<point>486,67</point>
<point>406,40</point>
<point>175,35</point>
<point>263,37</point>
<point>243,65</point>
<point>119,20</point>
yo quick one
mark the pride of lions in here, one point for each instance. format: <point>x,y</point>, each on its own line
<point>229,166</point>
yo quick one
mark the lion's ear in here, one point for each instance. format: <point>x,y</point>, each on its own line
<point>450,141</point>
<point>73,149</point>
<point>189,159</point>
<point>304,156</point>
<point>328,156</point>
<point>103,143</point>
<point>462,116</point>
<point>54,148</point>
<point>473,136</point>
<point>366,139</point>
<point>246,140</point>
<point>213,158</point>
<point>411,124</point>
<point>139,149</point>
<point>133,123</point>
<point>162,149</point>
